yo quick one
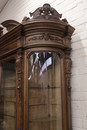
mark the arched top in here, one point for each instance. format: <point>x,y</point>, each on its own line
<point>59,52</point>
<point>45,28</point>
<point>47,18</point>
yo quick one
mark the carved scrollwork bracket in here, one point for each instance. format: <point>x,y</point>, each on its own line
<point>19,67</point>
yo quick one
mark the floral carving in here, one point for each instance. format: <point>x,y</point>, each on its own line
<point>46,36</point>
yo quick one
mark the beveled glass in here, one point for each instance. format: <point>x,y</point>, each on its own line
<point>8,96</point>
<point>44,92</point>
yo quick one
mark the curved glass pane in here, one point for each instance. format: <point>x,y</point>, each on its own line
<point>8,96</point>
<point>44,91</point>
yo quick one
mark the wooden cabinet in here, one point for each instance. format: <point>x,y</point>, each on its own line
<point>35,72</point>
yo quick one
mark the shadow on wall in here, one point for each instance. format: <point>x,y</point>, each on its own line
<point>79,81</point>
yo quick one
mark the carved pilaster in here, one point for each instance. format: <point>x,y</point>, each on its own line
<point>68,64</point>
<point>19,68</point>
<point>19,89</point>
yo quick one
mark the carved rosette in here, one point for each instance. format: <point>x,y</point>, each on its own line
<point>19,67</point>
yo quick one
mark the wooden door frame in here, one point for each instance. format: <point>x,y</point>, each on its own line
<point>61,54</point>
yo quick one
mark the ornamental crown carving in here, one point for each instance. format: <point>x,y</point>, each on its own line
<point>46,12</point>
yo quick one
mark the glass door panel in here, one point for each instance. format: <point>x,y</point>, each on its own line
<point>8,96</point>
<point>44,92</point>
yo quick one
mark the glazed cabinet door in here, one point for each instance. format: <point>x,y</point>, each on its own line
<point>8,95</point>
<point>44,109</point>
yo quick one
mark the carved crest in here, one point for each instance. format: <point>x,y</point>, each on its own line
<point>44,12</point>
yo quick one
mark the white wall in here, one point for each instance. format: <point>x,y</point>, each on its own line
<point>76,13</point>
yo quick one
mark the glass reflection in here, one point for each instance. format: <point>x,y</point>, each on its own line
<point>8,96</point>
<point>44,91</point>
